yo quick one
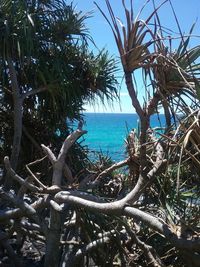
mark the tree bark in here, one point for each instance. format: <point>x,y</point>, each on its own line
<point>52,255</point>
<point>53,251</point>
<point>133,95</point>
<point>17,120</point>
<point>17,115</point>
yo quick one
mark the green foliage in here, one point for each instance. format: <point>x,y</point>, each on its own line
<point>56,73</point>
<point>48,44</point>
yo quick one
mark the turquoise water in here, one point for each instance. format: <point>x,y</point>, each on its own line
<point>107,131</point>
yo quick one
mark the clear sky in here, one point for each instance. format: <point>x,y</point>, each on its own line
<point>187,11</point>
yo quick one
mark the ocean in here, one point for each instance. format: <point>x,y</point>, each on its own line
<point>107,131</point>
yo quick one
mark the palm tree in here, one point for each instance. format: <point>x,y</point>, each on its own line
<point>176,76</point>
<point>47,70</point>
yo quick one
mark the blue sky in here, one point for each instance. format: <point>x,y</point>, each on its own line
<point>187,11</point>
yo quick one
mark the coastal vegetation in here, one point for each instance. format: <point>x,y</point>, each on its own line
<point>58,208</point>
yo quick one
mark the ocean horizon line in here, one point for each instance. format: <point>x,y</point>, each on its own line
<point>119,113</point>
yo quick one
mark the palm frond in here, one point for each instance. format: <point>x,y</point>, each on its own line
<point>130,38</point>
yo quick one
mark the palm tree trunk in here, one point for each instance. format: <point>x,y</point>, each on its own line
<point>53,252</point>
<point>17,116</point>
<point>17,120</point>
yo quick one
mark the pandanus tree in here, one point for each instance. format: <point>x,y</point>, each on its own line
<point>149,217</point>
<point>172,79</point>
<point>47,72</point>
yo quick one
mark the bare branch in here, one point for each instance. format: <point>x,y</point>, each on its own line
<point>162,228</point>
<point>49,154</point>
<point>55,205</point>
<point>116,208</point>
<point>68,174</point>
<point>69,141</point>
<point>18,178</point>
<point>78,198</point>
<point>36,161</point>
<point>112,168</point>
<point>35,178</point>
<point>143,182</point>
<point>41,203</point>
<point>60,161</point>
<point>25,207</point>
